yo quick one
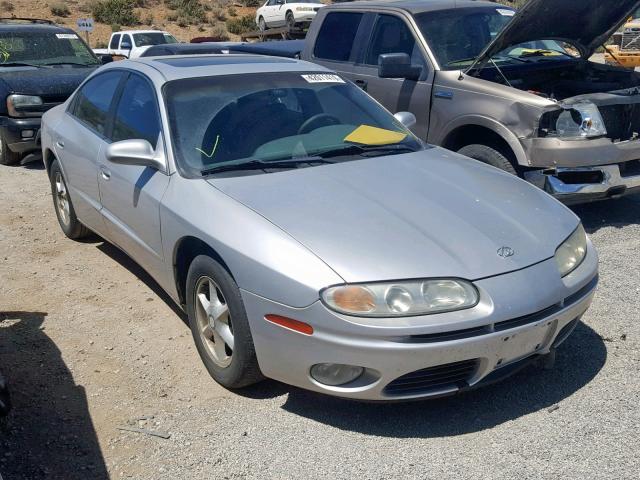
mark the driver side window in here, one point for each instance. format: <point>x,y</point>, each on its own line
<point>392,35</point>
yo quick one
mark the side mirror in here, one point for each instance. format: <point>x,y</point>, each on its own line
<point>106,59</point>
<point>125,46</point>
<point>137,152</point>
<point>397,65</point>
<point>407,119</point>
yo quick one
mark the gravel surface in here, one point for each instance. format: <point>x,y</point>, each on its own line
<point>90,345</point>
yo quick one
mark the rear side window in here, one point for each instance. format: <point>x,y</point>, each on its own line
<point>337,36</point>
<point>115,41</point>
<point>93,101</point>
<point>137,115</point>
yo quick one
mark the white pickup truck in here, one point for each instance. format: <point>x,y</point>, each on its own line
<point>133,43</point>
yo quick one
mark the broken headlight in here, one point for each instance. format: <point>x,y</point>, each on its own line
<point>575,121</point>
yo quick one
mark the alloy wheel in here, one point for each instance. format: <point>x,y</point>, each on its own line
<point>62,199</point>
<point>214,321</point>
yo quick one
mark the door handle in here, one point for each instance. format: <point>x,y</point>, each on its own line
<point>106,174</point>
<point>362,84</point>
<point>60,144</point>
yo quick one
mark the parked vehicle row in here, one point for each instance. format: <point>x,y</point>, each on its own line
<point>308,234</point>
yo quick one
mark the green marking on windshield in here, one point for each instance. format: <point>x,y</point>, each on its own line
<point>215,146</point>
<point>4,52</point>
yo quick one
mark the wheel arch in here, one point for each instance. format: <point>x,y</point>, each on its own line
<point>48,157</point>
<point>184,252</point>
<point>486,132</point>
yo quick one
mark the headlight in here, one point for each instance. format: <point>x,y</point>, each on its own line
<point>304,9</point>
<point>575,121</point>
<point>571,253</point>
<point>401,299</point>
<point>24,105</point>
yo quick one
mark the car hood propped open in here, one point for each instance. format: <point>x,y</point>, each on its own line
<point>425,214</point>
<point>585,24</point>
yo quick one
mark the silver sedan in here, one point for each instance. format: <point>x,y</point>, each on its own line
<point>309,236</point>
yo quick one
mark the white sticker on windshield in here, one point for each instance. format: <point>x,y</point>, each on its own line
<point>66,35</point>
<point>322,78</point>
<point>505,13</point>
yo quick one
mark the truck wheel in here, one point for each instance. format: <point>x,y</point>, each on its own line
<point>7,157</point>
<point>5,399</point>
<point>219,324</point>
<point>67,219</point>
<point>488,155</point>
<point>262,25</point>
<point>291,21</point>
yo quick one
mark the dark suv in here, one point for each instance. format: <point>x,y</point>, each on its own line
<point>41,64</point>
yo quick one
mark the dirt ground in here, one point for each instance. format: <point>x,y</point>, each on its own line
<point>90,345</point>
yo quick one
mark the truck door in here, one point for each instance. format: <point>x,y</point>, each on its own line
<point>393,34</point>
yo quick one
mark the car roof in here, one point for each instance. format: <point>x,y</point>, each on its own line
<point>417,6</point>
<point>175,67</point>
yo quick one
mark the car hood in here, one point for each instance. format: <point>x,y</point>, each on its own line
<point>586,24</point>
<point>425,214</point>
<point>47,82</point>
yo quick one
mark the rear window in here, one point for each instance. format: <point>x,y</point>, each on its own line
<point>337,35</point>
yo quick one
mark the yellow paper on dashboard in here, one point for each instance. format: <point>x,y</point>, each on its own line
<point>368,135</point>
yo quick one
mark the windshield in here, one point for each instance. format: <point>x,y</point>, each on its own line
<point>44,48</point>
<point>456,37</point>
<point>153,38</point>
<point>232,120</point>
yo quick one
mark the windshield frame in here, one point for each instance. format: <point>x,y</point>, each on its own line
<point>52,34</point>
<point>189,171</point>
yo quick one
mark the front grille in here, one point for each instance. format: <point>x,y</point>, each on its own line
<point>440,377</point>
<point>631,41</point>
<point>622,121</point>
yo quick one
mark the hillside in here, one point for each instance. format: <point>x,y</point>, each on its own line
<point>185,19</point>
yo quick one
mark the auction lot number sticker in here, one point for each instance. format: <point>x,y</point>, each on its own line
<point>322,78</point>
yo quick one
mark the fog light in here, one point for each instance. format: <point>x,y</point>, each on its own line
<point>27,133</point>
<point>335,374</point>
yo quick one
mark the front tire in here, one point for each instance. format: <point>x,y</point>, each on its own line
<point>488,155</point>
<point>65,212</point>
<point>290,21</point>
<point>219,324</point>
<point>7,157</point>
<point>262,25</point>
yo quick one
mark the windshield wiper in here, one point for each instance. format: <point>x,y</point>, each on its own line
<point>364,150</point>
<point>19,64</point>
<point>71,63</point>
<point>262,164</point>
<point>541,53</point>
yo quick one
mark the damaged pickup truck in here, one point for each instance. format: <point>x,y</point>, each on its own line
<point>512,89</point>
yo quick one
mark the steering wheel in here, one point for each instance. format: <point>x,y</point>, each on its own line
<point>317,121</point>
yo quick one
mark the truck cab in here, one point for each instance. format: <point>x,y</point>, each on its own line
<point>512,89</point>
<point>133,43</point>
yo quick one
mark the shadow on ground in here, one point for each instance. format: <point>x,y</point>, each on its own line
<point>609,213</point>
<point>49,433</point>
<point>578,361</point>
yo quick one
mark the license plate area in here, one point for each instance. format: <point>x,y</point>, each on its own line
<point>523,343</point>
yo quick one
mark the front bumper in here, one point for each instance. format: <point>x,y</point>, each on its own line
<point>584,184</point>
<point>521,315</point>
<point>14,129</point>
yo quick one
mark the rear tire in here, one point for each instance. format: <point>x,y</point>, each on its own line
<point>216,317</point>
<point>7,157</point>
<point>65,212</point>
<point>488,155</point>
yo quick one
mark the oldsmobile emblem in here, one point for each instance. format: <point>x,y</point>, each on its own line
<point>505,252</point>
